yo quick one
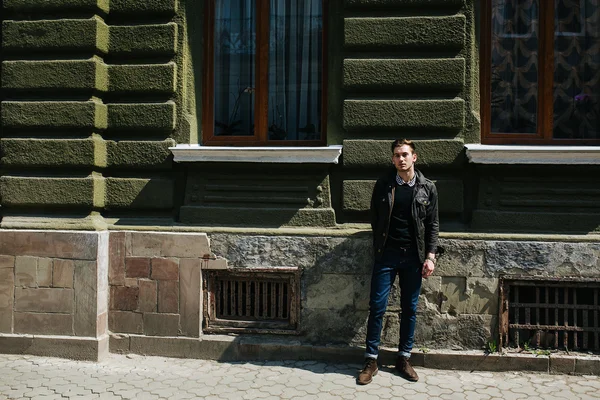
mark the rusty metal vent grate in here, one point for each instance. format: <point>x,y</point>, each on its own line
<point>549,313</point>
<point>251,300</point>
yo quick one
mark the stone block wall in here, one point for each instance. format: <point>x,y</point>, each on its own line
<point>458,307</point>
<point>89,92</point>
<point>155,282</point>
<point>53,284</point>
<point>61,293</point>
<point>409,69</point>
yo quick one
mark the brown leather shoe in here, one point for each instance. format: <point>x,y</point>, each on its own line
<point>368,372</point>
<point>406,370</point>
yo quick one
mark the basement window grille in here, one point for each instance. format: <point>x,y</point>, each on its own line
<point>549,313</point>
<point>251,300</point>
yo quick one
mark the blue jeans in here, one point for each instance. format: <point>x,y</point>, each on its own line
<point>408,268</point>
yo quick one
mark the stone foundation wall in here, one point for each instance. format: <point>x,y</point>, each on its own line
<point>155,282</point>
<point>62,293</point>
<point>53,284</point>
<point>458,306</point>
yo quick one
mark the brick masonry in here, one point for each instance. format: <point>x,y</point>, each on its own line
<point>50,283</point>
<point>155,282</point>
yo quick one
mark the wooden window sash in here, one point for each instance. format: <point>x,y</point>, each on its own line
<point>261,93</point>
<point>545,107</point>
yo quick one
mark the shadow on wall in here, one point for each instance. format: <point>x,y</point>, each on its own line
<point>257,195</point>
<point>558,199</point>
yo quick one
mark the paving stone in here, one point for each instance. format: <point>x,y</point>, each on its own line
<point>124,377</point>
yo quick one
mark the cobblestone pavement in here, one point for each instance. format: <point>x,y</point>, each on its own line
<point>137,377</point>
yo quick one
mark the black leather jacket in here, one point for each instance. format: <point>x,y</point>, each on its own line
<point>424,213</point>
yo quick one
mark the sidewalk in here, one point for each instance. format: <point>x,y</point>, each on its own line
<point>139,377</point>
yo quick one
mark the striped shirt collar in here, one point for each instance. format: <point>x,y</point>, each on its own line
<point>410,183</point>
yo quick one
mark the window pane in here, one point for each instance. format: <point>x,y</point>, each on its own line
<point>295,63</point>
<point>514,81</point>
<point>577,69</point>
<point>235,49</point>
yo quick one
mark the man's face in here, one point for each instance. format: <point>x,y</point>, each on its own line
<point>404,158</point>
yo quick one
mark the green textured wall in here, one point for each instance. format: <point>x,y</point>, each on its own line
<point>91,96</point>
<point>407,72</point>
<point>95,91</point>
<point>511,198</point>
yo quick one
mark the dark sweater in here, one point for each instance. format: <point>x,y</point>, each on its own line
<point>400,231</point>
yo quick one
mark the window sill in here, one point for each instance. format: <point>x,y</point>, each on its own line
<point>289,155</point>
<point>503,154</point>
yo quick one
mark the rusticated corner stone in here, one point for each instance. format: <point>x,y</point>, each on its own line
<point>148,295</point>
<point>189,296</point>
<point>7,290</point>
<point>44,300</point>
<point>218,263</point>
<point>161,324</point>
<point>124,298</point>
<point>76,245</point>
<point>44,272</point>
<point>44,323</point>
<point>137,267</point>
<point>63,272</point>
<point>102,324</point>
<point>165,269</point>
<point>168,297</point>
<point>6,261</point>
<point>125,322</point>
<point>26,271</point>
<point>116,268</point>
<point>155,244</point>
<point>86,295</point>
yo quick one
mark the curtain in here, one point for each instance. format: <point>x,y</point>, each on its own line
<point>295,64</point>
<point>234,66</point>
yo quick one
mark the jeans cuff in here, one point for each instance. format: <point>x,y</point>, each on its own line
<point>403,354</point>
<point>373,356</point>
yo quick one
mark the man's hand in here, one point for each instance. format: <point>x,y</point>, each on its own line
<point>428,265</point>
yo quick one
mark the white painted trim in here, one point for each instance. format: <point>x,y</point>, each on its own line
<point>505,154</point>
<point>295,155</point>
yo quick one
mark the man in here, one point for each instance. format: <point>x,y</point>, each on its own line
<point>404,218</point>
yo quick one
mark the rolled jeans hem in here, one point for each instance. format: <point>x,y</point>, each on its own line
<point>403,354</point>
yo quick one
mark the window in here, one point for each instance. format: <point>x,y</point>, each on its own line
<point>264,73</point>
<point>540,72</point>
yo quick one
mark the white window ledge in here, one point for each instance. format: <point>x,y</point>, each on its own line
<point>504,154</point>
<point>293,155</point>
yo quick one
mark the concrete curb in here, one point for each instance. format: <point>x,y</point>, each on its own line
<point>71,347</point>
<point>251,348</point>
